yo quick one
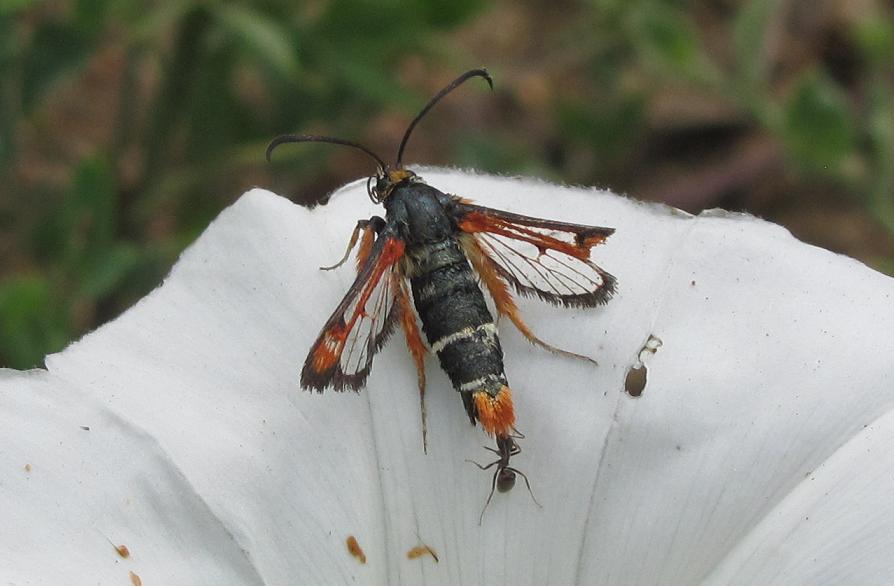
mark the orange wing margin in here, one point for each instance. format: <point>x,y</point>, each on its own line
<point>342,355</point>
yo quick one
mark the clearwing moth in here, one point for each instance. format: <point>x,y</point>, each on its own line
<point>427,261</point>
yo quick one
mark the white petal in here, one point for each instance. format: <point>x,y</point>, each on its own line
<point>205,458</point>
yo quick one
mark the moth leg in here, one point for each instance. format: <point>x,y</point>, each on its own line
<point>505,303</point>
<point>512,313</point>
<point>369,227</point>
<point>414,343</point>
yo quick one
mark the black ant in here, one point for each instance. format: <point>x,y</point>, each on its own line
<point>504,475</point>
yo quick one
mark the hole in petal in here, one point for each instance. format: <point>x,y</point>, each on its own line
<point>636,380</point>
<point>637,376</point>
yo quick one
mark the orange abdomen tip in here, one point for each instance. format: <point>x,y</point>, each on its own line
<point>496,414</point>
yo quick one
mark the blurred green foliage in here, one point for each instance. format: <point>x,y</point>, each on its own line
<point>230,76</point>
<point>126,126</point>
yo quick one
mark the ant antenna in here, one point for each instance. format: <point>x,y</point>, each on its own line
<point>453,85</point>
<point>282,139</point>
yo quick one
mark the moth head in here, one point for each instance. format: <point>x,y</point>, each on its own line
<point>386,182</point>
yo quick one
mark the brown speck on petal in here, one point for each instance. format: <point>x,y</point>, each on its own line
<point>421,550</point>
<point>354,549</point>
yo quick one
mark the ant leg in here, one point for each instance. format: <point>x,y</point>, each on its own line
<point>528,484</point>
<point>491,465</point>
<point>515,450</point>
<point>493,486</point>
<point>508,447</point>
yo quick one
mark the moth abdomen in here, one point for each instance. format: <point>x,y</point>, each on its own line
<point>460,329</point>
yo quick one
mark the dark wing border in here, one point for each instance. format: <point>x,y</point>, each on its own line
<point>545,259</point>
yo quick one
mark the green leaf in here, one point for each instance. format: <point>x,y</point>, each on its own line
<point>875,37</point>
<point>11,6</point>
<point>880,132</point>
<point>147,24</point>
<point>749,40</point>
<point>817,124</point>
<point>498,156</point>
<point>84,222</point>
<point>107,271</point>
<point>883,264</point>
<point>609,128</point>
<point>262,35</point>
<point>365,77</point>
<point>670,41</point>
<point>90,16</point>
<point>93,208</point>
<point>55,51</point>
<point>212,115</point>
<point>10,100</point>
<point>59,47</point>
<point>446,15</point>
<point>31,323</point>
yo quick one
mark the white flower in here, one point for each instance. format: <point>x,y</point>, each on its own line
<point>760,451</point>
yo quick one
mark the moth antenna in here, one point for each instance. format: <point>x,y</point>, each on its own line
<point>452,86</point>
<point>285,138</point>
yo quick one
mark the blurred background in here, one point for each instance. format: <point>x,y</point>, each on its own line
<point>127,126</point>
